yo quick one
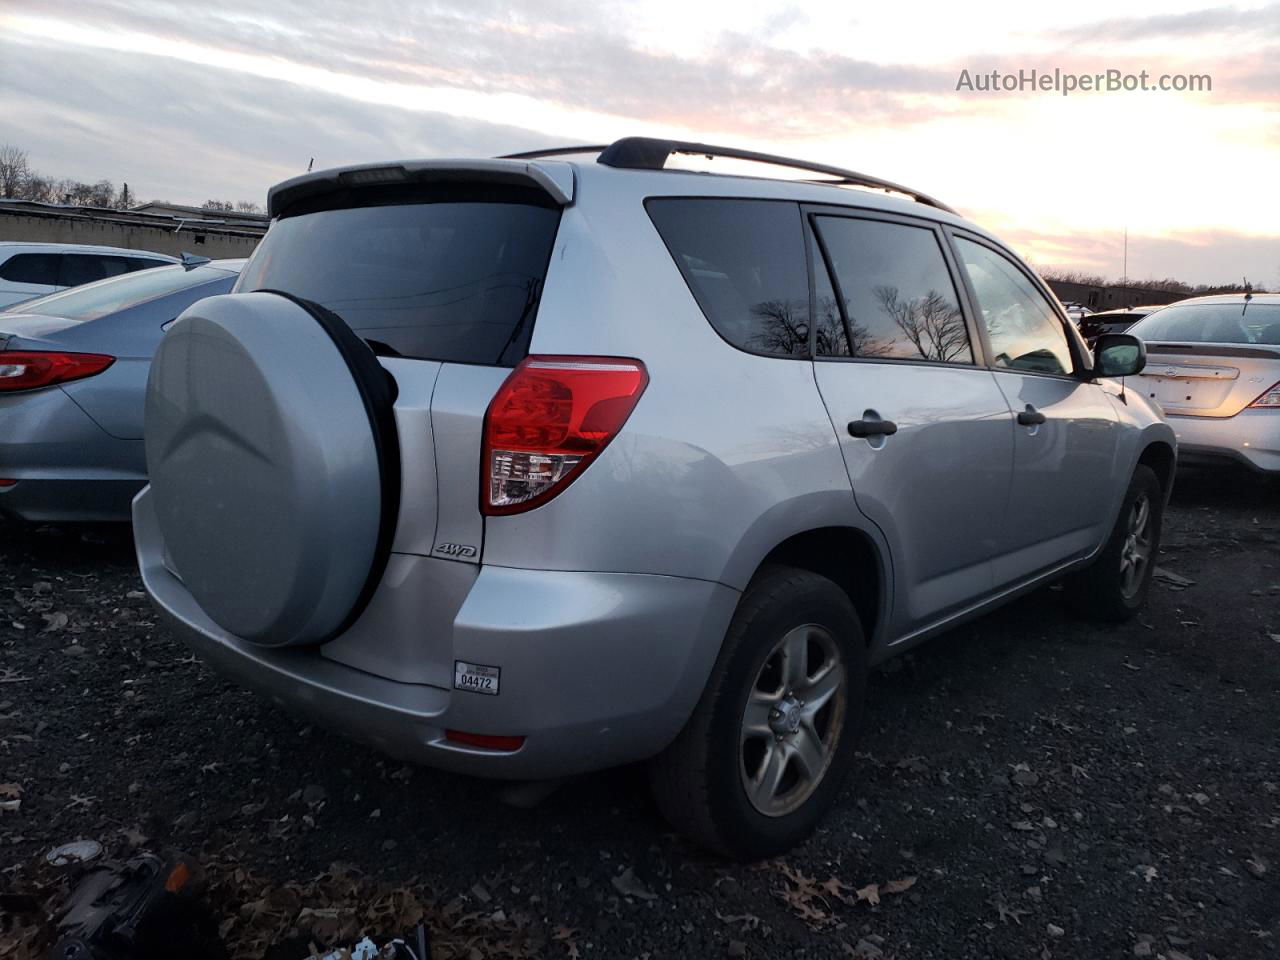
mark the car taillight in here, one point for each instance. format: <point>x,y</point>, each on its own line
<point>1271,398</point>
<point>549,419</point>
<point>29,369</point>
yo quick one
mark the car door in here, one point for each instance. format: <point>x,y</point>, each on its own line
<point>1066,434</point>
<point>926,433</point>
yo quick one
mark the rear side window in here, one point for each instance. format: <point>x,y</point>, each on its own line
<point>896,296</point>
<point>452,281</point>
<point>39,268</point>
<point>744,261</point>
<point>142,263</point>
<point>78,268</point>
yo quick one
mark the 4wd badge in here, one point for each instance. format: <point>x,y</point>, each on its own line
<point>461,550</point>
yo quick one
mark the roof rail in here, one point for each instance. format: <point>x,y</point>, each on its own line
<point>648,153</point>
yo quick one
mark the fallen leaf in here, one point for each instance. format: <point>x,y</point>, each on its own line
<point>900,886</point>
<point>54,621</point>
<point>869,893</point>
<point>629,885</point>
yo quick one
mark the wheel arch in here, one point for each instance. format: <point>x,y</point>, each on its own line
<point>1163,461</point>
<point>850,558</point>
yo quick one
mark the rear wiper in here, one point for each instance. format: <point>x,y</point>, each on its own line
<point>532,296</point>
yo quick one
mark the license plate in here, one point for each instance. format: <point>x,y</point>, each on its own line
<point>476,677</point>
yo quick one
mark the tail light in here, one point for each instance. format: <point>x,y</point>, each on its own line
<point>549,419</point>
<point>28,370</point>
<point>1271,398</point>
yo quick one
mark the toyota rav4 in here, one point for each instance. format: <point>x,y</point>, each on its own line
<point>533,466</point>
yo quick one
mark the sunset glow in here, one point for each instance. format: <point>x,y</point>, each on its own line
<point>256,92</point>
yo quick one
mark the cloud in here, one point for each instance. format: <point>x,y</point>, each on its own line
<point>206,133</point>
<point>1195,24</point>
<point>570,55</point>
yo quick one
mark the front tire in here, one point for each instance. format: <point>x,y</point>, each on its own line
<point>1115,586</point>
<point>772,738</point>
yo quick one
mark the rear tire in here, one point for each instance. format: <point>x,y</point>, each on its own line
<point>772,738</point>
<point>1115,586</point>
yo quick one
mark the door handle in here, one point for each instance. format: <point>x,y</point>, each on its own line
<point>1030,417</point>
<point>872,428</point>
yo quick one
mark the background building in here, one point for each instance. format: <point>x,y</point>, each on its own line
<point>159,227</point>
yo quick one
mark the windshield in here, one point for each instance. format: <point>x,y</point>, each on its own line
<point>1213,323</point>
<point>95,300</point>
<point>453,281</point>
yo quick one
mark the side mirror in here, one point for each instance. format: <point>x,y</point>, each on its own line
<point>1118,355</point>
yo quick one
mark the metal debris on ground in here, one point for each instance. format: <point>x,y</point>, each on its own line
<point>77,851</point>
<point>1174,581</point>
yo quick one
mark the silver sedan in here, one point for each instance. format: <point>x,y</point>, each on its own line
<point>73,371</point>
<point>1213,364</point>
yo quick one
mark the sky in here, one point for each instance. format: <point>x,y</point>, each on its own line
<point>189,102</point>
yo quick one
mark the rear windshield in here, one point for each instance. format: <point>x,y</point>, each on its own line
<point>453,281</point>
<point>117,293</point>
<point>1213,323</point>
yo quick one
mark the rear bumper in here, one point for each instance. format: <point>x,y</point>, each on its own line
<point>1251,438</point>
<point>45,500</point>
<point>68,469</point>
<point>598,669</point>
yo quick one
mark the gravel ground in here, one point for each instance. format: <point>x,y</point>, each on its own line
<point>1030,786</point>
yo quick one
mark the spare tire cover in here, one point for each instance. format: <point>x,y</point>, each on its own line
<point>268,462</point>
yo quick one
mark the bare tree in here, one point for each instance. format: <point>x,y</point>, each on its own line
<point>79,194</point>
<point>222,206</point>
<point>248,206</point>
<point>784,327</point>
<point>42,188</point>
<point>14,171</point>
<point>931,323</point>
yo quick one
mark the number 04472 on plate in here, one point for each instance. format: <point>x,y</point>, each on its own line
<point>476,677</point>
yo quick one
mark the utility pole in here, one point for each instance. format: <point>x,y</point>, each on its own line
<point>1125,276</point>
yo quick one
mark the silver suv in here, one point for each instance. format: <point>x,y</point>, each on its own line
<point>533,466</point>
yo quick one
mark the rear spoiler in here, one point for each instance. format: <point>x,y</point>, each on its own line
<point>554,178</point>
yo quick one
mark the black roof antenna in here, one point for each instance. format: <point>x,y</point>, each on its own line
<point>1248,295</point>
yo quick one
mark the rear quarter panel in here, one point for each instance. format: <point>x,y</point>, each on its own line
<point>726,455</point>
<point>114,398</point>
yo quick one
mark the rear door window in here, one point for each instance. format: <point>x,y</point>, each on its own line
<point>896,299</point>
<point>41,268</point>
<point>744,261</point>
<point>457,281</point>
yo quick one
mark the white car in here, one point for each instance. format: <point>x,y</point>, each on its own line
<point>33,269</point>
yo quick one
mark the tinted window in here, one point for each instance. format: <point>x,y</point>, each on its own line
<point>117,293</point>
<point>1213,323</point>
<point>453,281</point>
<point>1024,331</point>
<point>31,268</point>
<point>744,261</point>
<point>897,296</point>
<point>78,268</point>
<point>140,263</point>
